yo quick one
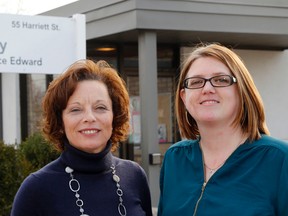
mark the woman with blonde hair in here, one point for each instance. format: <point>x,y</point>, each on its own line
<point>226,164</point>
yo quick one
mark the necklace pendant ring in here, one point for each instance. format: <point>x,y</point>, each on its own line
<point>121,209</point>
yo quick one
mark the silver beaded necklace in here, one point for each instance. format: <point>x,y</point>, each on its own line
<point>79,201</point>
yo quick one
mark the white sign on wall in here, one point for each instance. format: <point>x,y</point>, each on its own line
<point>40,44</point>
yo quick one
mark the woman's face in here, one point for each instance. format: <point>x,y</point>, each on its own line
<point>88,117</point>
<point>210,104</point>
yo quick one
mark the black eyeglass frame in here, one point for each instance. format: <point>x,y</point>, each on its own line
<point>231,78</point>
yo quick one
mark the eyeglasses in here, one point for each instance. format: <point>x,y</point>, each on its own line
<point>216,81</point>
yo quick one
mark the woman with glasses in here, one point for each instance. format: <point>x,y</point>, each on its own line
<point>226,164</point>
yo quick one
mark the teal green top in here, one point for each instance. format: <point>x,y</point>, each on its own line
<point>253,181</point>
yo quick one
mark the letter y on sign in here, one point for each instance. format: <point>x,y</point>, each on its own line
<point>2,47</point>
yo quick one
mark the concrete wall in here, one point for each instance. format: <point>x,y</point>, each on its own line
<point>270,72</point>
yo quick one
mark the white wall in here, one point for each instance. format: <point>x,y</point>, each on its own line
<point>11,108</point>
<point>270,72</point>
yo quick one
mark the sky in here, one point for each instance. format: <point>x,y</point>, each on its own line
<point>30,7</point>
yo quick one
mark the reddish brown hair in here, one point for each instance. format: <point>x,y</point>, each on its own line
<point>61,88</point>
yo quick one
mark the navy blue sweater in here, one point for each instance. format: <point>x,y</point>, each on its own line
<point>47,192</point>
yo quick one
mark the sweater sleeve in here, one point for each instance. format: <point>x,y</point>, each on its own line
<point>27,198</point>
<point>145,191</point>
<point>136,188</point>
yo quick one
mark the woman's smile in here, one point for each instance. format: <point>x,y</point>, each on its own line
<point>88,117</point>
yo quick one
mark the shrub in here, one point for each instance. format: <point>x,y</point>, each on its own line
<point>17,162</point>
<point>37,151</point>
<point>9,177</point>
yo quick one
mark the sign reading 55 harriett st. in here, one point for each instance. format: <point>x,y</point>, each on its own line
<point>40,44</point>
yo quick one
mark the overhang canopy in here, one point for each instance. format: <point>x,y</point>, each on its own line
<point>257,24</point>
